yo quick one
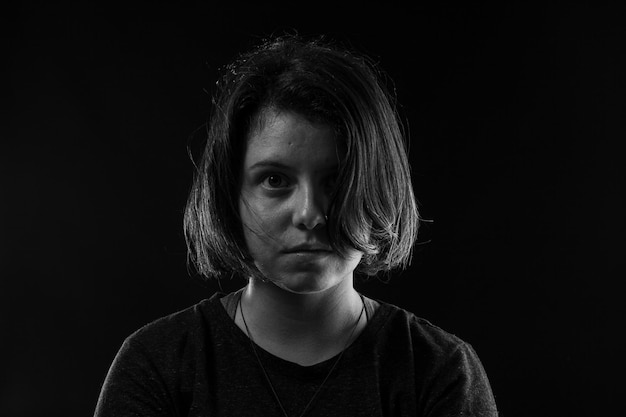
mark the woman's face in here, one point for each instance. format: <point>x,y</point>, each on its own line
<point>289,171</point>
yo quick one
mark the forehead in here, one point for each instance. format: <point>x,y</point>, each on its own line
<point>291,139</point>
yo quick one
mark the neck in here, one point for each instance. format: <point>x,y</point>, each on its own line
<point>311,326</point>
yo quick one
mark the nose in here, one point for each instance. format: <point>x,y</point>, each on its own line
<point>311,204</point>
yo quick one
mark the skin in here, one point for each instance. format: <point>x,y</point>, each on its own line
<point>306,311</point>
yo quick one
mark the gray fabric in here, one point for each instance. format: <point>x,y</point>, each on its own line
<point>231,300</point>
<point>197,362</point>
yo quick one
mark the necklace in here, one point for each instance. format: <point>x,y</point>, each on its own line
<point>267,378</point>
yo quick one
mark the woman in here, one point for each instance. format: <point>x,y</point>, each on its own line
<point>303,184</point>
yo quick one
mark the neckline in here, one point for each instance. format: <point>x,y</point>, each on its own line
<point>283,366</point>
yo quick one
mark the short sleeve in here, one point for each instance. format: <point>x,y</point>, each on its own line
<point>133,386</point>
<point>462,388</point>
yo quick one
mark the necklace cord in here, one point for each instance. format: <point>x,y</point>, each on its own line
<point>267,377</point>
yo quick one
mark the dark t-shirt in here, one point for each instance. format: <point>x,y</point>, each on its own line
<point>197,362</point>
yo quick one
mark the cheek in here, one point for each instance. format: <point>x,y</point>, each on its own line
<point>353,260</point>
<point>341,267</point>
<point>245,214</point>
<point>260,219</point>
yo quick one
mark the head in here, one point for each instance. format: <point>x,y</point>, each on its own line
<point>369,214</point>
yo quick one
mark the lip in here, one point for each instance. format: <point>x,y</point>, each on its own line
<point>308,248</point>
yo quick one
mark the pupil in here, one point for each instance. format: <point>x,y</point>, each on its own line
<point>274,180</point>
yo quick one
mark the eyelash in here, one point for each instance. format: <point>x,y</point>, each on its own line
<point>265,179</point>
<point>331,181</point>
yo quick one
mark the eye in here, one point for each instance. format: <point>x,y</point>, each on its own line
<point>275,181</point>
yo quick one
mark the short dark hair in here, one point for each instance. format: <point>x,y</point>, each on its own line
<point>373,208</point>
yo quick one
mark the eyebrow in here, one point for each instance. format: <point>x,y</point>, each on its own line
<point>282,166</point>
<point>269,164</point>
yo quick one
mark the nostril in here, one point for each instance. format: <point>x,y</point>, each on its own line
<point>310,219</point>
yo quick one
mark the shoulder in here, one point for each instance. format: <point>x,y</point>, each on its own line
<point>442,370</point>
<point>177,329</point>
<point>400,335</point>
<point>155,369</point>
<point>168,345</point>
<point>399,323</point>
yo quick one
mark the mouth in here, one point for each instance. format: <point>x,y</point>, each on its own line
<point>308,251</point>
<point>307,255</point>
<point>311,249</point>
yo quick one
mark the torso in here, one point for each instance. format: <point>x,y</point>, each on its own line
<point>306,354</point>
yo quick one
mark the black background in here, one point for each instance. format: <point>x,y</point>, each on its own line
<point>516,118</point>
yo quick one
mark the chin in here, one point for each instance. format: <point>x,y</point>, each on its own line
<point>308,277</point>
